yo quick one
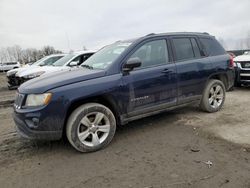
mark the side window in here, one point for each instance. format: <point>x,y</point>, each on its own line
<point>86,56</point>
<point>183,49</point>
<point>77,59</point>
<point>152,53</point>
<point>196,49</point>
<point>212,47</point>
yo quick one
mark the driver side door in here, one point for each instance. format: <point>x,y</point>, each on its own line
<point>153,85</point>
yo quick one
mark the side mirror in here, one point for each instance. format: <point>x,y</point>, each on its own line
<point>131,64</point>
<point>73,63</point>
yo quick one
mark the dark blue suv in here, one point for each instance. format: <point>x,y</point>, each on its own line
<point>122,82</point>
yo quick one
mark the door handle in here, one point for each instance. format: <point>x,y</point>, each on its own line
<point>166,71</point>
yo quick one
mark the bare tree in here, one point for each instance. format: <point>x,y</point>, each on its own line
<point>3,55</point>
<point>48,50</point>
<point>16,53</point>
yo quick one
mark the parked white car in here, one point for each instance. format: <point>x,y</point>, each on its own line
<point>67,62</point>
<point>9,66</point>
<point>14,82</point>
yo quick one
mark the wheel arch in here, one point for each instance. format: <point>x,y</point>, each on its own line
<point>105,100</point>
<point>220,76</point>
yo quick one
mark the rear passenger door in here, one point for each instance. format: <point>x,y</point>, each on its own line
<point>192,68</point>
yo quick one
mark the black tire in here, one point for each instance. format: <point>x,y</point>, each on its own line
<point>75,119</point>
<point>205,104</point>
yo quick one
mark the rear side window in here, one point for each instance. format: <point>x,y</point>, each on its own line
<point>212,46</point>
<point>183,49</point>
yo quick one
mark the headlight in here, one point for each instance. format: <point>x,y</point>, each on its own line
<point>9,73</point>
<point>38,99</point>
<point>33,75</point>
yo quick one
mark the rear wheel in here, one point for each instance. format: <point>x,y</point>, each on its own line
<point>90,127</point>
<point>213,96</point>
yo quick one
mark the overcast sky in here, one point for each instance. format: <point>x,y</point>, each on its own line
<point>73,24</point>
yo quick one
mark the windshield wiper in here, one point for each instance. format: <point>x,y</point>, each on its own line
<point>87,66</point>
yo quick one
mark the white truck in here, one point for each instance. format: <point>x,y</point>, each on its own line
<point>242,69</point>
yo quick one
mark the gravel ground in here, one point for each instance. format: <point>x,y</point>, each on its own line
<point>168,150</point>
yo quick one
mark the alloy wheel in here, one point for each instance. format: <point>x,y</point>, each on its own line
<point>93,129</point>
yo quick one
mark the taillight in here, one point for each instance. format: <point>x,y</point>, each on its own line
<point>231,62</point>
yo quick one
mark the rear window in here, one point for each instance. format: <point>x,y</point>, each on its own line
<point>212,47</point>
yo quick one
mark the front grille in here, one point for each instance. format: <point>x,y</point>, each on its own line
<point>245,71</point>
<point>245,78</point>
<point>13,80</point>
<point>245,64</point>
<point>19,100</point>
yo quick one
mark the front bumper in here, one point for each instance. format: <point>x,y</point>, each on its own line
<point>25,131</point>
<point>14,82</point>
<point>37,123</point>
<point>242,75</point>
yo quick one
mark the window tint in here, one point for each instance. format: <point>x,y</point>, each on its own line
<point>152,53</point>
<point>196,49</point>
<point>77,59</point>
<point>86,56</point>
<point>51,60</point>
<point>212,47</point>
<point>183,49</point>
<point>80,59</point>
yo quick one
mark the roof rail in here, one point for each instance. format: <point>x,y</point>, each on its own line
<point>206,33</point>
<point>150,34</point>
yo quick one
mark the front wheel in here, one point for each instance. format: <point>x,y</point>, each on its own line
<point>91,127</point>
<point>213,96</point>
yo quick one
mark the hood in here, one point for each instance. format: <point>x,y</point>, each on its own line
<point>33,70</point>
<point>14,71</point>
<point>18,70</point>
<point>60,78</point>
<point>242,58</point>
<point>24,69</point>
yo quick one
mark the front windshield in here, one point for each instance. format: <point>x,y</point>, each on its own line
<point>63,60</point>
<point>106,56</point>
<point>50,61</point>
<point>39,61</point>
